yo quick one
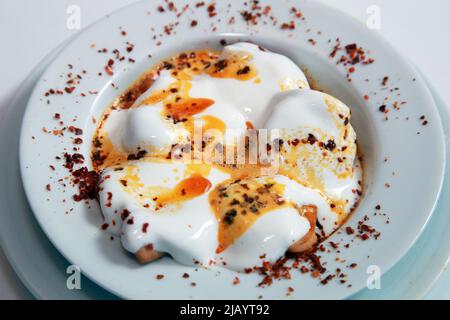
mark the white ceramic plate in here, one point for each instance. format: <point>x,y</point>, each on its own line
<point>42,269</point>
<point>416,159</point>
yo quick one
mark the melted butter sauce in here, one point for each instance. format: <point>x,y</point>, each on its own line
<point>187,189</point>
<point>187,107</point>
<point>209,123</point>
<point>238,204</point>
<point>193,184</point>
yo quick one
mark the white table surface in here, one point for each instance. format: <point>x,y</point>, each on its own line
<point>29,29</point>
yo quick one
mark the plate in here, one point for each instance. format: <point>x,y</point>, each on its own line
<point>77,234</point>
<point>19,229</point>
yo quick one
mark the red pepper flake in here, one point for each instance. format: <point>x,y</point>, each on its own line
<point>87,182</point>
<point>125,214</point>
<point>336,48</point>
<point>108,199</point>
<point>288,26</point>
<point>48,187</point>
<point>267,10</point>
<point>354,54</point>
<point>145,227</point>
<point>161,9</point>
<point>249,17</point>
<point>349,230</point>
<point>105,226</point>
<point>211,10</point>
<point>159,276</point>
<point>69,90</point>
<point>171,6</point>
<point>194,23</point>
<point>129,47</point>
<point>327,279</point>
<point>185,275</point>
<point>109,71</point>
<point>385,81</point>
<point>296,12</point>
<point>334,245</point>
<point>236,281</point>
<point>57,116</point>
<point>366,97</point>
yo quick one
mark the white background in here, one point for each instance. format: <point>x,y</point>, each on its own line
<point>30,29</point>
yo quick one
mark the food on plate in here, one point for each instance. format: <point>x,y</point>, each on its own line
<point>225,158</point>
